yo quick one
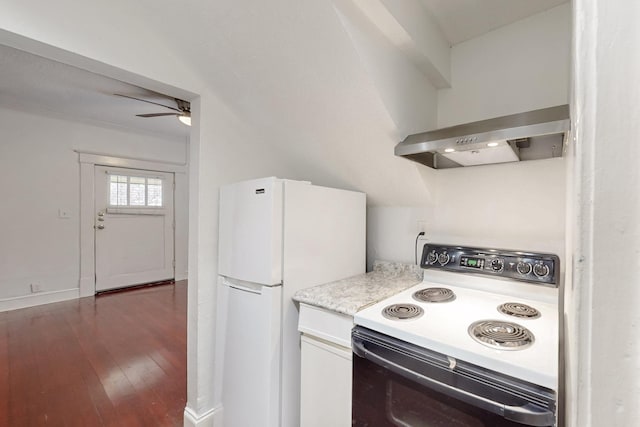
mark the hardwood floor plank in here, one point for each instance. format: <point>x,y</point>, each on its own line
<point>26,395</point>
<point>115,360</point>
<point>4,371</point>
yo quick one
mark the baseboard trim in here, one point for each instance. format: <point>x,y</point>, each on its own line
<point>211,418</point>
<point>40,298</point>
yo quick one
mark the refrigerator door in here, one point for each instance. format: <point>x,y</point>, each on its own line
<point>250,315</point>
<point>250,224</point>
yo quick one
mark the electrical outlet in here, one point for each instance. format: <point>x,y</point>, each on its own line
<point>35,287</point>
<point>422,226</point>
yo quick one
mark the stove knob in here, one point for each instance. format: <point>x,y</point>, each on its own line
<point>524,267</point>
<point>443,258</point>
<point>497,264</point>
<point>432,257</point>
<point>541,270</point>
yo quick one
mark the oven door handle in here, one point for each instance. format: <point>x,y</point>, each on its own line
<point>528,414</point>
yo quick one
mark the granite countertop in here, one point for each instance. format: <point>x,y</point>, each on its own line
<point>350,295</point>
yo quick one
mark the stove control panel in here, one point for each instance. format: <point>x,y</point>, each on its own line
<point>519,265</point>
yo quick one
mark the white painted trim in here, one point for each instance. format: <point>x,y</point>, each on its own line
<point>87,286</point>
<point>138,174</point>
<point>25,301</point>
<point>88,161</point>
<point>138,210</point>
<point>87,236</point>
<point>211,418</point>
<point>77,60</point>
<point>129,162</point>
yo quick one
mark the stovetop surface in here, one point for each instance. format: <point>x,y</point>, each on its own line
<point>444,326</point>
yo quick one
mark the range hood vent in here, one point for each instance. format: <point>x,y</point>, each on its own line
<point>533,135</point>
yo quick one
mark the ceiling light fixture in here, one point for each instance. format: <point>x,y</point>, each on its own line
<point>449,150</point>
<point>492,144</point>
<point>185,118</point>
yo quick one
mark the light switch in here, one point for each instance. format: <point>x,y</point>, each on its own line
<point>64,213</point>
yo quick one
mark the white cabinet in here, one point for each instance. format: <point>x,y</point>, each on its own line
<point>325,394</point>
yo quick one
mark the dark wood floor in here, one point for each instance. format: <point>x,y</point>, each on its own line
<point>113,360</point>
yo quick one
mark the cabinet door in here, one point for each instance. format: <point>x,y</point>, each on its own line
<point>326,384</point>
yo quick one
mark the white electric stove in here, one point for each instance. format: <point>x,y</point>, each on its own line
<point>493,311</point>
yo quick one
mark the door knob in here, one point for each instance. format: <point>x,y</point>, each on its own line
<point>99,227</point>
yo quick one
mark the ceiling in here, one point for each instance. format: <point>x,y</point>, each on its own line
<point>32,82</point>
<point>38,84</point>
<point>462,20</point>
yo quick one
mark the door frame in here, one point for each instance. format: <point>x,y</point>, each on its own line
<point>88,162</point>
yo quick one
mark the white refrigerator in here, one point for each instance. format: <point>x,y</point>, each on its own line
<point>276,237</point>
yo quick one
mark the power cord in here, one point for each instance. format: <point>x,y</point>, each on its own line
<point>415,247</point>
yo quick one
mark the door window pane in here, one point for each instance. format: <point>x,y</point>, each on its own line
<point>154,187</point>
<point>135,191</point>
<point>118,190</point>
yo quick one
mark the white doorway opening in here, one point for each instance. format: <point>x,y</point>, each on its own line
<point>134,227</point>
<point>126,238</point>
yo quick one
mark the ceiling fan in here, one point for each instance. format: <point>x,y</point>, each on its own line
<point>182,109</point>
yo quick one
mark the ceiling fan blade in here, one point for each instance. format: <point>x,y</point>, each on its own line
<point>158,114</point>
<point>148,102</point>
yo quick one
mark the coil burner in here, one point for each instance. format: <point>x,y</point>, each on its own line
<point>402,312</point>
<point>434,295</point>
<point>501,335</point>
<point>517,309</point>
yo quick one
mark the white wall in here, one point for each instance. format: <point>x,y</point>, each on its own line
<point>511,206</point>
<point>410,100</point>
<point>519,67</point>
<point>40,172</point>
<point>181,243</point>
<point>515,68</point>
<point>603,320</point>
<point>392,232</point>
<point>406,94</point>
<point>330,96</point>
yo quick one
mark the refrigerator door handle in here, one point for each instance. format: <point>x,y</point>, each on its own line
<point>253,288</point>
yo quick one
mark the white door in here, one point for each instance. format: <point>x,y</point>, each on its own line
<point>134,228</point>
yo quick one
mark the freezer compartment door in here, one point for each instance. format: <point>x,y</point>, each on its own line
<point>249,314</point>
<point>250,242</point>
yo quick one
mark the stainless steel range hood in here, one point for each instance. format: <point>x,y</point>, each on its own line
<point>532,135</point>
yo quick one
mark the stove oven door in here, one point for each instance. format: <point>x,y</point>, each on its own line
<point>398,384</point>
